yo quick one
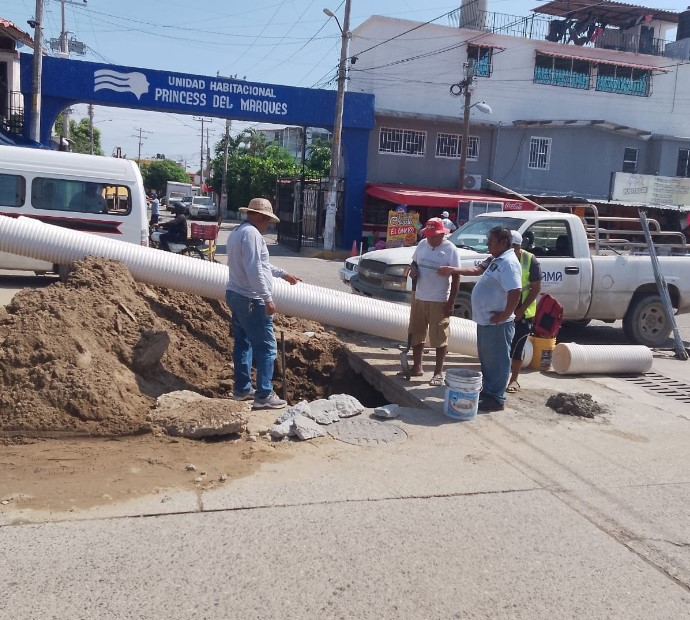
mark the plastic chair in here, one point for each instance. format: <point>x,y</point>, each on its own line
<point>206,232</point>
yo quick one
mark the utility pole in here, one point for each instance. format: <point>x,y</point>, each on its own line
<point>332,200</point>
<point>467,85</point>
<point>141,141</point>
<point>37,72</point>
<point>91,128</point>
<point>202,120</point>
<point>223,203</point>
<point>65,50</point>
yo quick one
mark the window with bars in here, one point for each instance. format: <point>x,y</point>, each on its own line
<point>630,160</point>
<point>539,153</point>
<point>568,72</point>
<point>449,145</point>
<point>624,80</point>
<point>683,169</point>
<point>402,141</point>
<point>482,57</point>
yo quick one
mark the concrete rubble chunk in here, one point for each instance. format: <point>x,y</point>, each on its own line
<point>387,411</point>
<point>301,408</point>
<point>305,428</point>
<point>346,405</point>
<point>282,430</point>
<point>322,411</point>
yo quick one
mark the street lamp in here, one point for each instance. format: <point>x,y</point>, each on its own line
<point>465,86</point>
<point>331,200</point>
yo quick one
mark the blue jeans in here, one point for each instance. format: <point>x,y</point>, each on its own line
<point>493,345</point>
<point>252,331</point>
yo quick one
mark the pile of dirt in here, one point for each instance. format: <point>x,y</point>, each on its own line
<point>579,404</point>
<point>71,358</point>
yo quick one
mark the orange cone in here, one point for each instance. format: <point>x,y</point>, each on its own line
<point>353,252</point>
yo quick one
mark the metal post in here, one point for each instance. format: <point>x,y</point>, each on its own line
<point>332,199</point>
<point>37,73</point>
<point>466,123</point>
<point>223,206</point>
<point>681,353</point>
<point>91,128</point>
<point>300,222</point>
<point>65,50</point>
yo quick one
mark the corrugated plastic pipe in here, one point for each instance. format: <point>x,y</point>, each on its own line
<point>61,246</point>
<point>569,358</point>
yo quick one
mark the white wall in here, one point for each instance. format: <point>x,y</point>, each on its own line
<point>422,85</point>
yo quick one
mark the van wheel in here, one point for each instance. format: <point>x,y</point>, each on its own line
<point>63,272</point>
<point>646,322</point>
<point>463,306</point>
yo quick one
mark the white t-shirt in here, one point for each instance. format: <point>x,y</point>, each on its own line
<point>448,224</point>
<point>490,294</point>
<point>430,285</point>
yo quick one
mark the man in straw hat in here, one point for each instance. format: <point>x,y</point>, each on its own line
<point>434,297</point>
<point>249,296</point>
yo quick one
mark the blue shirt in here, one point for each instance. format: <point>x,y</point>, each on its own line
<point>251,275</point>
<point>490,294</point>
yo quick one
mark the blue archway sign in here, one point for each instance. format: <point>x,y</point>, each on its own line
<point>67,82</point>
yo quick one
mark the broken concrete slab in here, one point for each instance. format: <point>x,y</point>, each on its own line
<point>306,428</point>
<point>322,411</point>
<point>346,405</point>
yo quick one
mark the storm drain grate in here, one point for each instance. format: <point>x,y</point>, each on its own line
<point>365,432</point>
<point>662,386</point>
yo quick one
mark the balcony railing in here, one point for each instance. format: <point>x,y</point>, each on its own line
<point>12,112</point>
<point>555,30</point>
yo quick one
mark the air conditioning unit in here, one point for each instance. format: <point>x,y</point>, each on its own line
<point>472,181</point>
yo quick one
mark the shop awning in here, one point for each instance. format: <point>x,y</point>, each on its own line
<point>602,61</point>
<point>426,197</point>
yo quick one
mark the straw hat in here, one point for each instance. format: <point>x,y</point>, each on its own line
<point>261,205</point>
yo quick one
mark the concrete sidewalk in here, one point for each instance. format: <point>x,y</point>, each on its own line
<point>520,514</point>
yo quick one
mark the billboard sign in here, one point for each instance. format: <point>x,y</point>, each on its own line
<point>650,190</point>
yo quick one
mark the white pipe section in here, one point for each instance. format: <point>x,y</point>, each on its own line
<point>569,358</point>
<point>61,246</point>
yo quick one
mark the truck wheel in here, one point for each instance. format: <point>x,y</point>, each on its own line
<point>646,323</point>
<point>463,306</point>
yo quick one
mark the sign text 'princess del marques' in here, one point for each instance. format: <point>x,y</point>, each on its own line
<point>199,92</point>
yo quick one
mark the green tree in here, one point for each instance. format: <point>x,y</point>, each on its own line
<point>157,174</point>
<point>319,158</point>
<point>253,168</point>
<point>80,135</point>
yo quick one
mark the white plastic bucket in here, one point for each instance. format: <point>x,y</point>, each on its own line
<point>527,352</point>
<point>462,393</point>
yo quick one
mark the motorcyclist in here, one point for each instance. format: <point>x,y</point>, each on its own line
<point>176,229</point>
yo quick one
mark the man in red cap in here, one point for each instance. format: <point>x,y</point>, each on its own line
<point>434,297</point>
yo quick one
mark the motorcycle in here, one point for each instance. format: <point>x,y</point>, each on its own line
<point>191,247</point>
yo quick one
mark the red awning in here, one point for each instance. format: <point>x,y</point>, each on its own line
<point>602,61</point>
<point>426,197</point>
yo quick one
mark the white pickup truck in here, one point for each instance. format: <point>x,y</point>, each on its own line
<point>592,272</point>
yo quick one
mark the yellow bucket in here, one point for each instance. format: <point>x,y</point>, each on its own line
<point>543,350</point>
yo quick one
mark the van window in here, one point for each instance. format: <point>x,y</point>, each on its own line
<point>80,196</point>
<point>12,190</point>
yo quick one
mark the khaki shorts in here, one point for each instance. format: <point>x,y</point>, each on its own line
<point>429,315</point>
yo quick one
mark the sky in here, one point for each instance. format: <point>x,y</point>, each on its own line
<point>288,42</point>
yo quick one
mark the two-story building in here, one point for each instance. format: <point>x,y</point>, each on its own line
<point>11,100</point>
<point>576,91</point>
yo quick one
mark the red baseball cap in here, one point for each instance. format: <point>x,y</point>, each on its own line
<point>434,226</point>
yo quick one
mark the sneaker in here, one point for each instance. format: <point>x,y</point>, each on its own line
<point>489,403</point>
<point>248,395</point>
<point>269,402</point>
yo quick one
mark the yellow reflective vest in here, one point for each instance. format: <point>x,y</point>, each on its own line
<point>525,264</point>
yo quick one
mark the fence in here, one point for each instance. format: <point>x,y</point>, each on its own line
<point>302,212</point>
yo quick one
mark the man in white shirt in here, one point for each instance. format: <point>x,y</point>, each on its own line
<point>249,296</point>
<point>434,298</point>
<point>447,222</point>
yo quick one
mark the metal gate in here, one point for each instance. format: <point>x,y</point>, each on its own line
<point>301,208</point>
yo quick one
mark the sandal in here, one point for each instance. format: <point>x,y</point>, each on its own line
<point>513,387</point>
<point>436,380</point>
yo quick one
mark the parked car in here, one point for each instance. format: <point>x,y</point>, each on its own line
<point>202,207</point>
<point>349,269</point>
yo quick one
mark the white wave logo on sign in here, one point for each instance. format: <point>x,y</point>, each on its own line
<point>135,82</point>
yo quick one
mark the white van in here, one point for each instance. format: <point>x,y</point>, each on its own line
<point>99,195</point>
